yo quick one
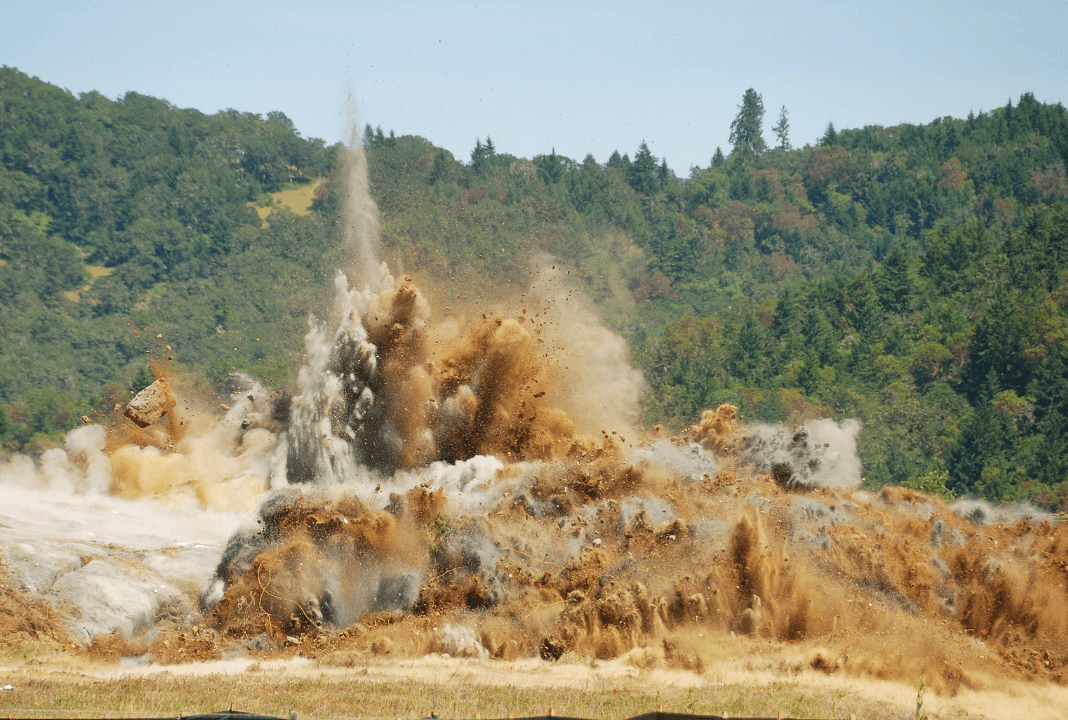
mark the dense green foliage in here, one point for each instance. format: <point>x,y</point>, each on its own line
<point>122,220</point>
<point>913,277</point>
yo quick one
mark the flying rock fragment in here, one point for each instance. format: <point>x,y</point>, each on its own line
<point>150,404</point>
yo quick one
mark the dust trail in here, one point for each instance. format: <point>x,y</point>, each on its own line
<point>596,385</point>
<point>361,212</point>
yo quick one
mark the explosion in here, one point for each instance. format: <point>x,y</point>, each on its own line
<point>435,486</point>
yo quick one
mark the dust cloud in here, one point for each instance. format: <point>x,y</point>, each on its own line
<point>480,489</point>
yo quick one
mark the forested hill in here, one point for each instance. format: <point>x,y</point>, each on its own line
<point>912,276</point>
<point>125,219</point>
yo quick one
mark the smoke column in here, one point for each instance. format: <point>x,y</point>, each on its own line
<point>361,212</point>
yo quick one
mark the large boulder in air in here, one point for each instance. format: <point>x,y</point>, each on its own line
<point>150,404</point>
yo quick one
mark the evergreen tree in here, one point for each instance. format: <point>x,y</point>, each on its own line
<point>641,175</point>
<point>717,158</point>
<point>782,130</point>
<point>979,458</point>
<point>617,162</point>
<point>996,359</point>
<point>142,379</point>
<point>786,326</point>
<point>863,310</point>
<point>481,155</point>
<point>747,129</point>
<point>787,318</point>
<point>894,280</point>
<point>830,135</point>
<point>820,338</point>
<point>440,169</point>
<point>663,174</point>
<point>747,356</point>
<point>1051,419</point>
<point>550,167</point>
<point>952,254</point>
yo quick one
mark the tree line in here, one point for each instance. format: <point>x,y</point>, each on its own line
<point>911,276</point>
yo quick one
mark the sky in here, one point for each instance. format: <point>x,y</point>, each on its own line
<point>572,77</point>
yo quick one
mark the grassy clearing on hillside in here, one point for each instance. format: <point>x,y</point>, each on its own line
<point>95,273</point>
<point>298,198</point>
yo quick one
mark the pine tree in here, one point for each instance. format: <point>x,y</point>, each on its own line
<point>894,280</point>
<point>977,460</point>
<point>480,155</point>
<point>1051,419</point>
<point>782,130</point>
<point>996,358</point>
<point>820,337</point>
<point>550,167</point>
<point>830,135</point>
<point>641,175</point>
<point>786,327</point>
<point>748,352</point>
<point>862,308</point>
<point>440,168</point>
<point>663,174</point>
<point>747,129</point>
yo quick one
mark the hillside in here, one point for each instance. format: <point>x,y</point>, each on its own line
<point>125,220</point>
<point>912,277</point>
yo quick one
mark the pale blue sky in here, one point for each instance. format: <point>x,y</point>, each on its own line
<point>580,77</point>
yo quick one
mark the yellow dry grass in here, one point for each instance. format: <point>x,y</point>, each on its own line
<point>95,273</point>
<point>297,200</point>
<point>355,694</point>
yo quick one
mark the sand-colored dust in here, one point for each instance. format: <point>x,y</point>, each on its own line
<point>402,392</point>
<point>587,552</point>
<point>586,559</point>
<point>476,392</point>
<point>578,546</point>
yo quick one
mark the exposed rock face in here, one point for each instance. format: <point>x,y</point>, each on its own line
<point>150,404</point>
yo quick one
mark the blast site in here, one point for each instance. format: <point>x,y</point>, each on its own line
<point>466,499</point>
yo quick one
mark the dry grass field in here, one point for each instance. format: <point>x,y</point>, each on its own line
<point>415,689</point>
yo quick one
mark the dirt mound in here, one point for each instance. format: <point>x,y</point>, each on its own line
<point>436,499</point>
<point>29,625</point>
<point>600,557</point>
